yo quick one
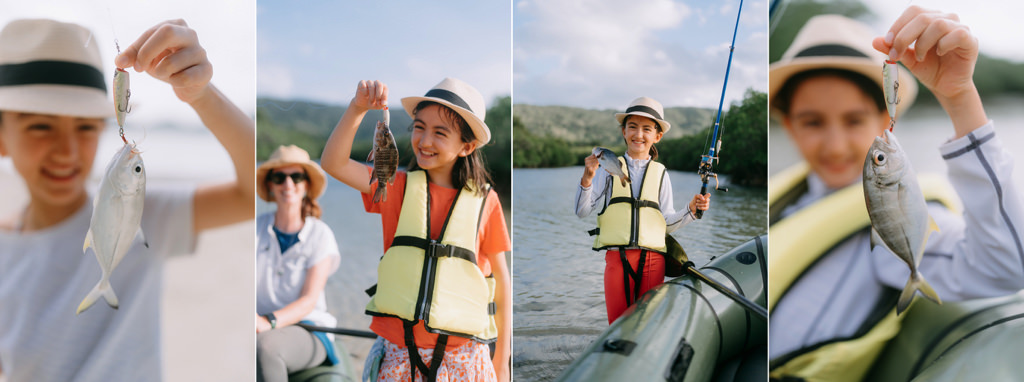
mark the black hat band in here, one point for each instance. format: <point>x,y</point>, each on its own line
<point>52,73</point>
<point>451,97</point>
<point>831,50</point>
<point>644,109</point>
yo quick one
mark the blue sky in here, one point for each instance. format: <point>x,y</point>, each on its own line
<point>319,50</point>
<point>605,53</point>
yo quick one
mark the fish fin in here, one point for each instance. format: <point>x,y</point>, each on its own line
<point>876,240</point>
<point>623,180</point>
<point>144,241</point>
<point>931,224</point>
<point>88,240</point>
<point>625,176</point>
<point>369,158</point>
<point>101,289</point>
<point>381,194</point>
<point>914,284</point>
<point>373,177</point>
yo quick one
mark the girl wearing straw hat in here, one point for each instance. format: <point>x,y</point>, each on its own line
<point>53,105</point>
<point>443,288</point>
<point>296,252</point>
<point>632,232</point>
<point>832,297</point>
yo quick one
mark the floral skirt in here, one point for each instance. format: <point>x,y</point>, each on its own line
<point>470,362</point>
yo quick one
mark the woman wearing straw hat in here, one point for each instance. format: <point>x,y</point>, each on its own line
<point>295,254</point>
<point>53,105</point>
<point>443,289</point>
<point>630,267</point>
<point>832,297</point>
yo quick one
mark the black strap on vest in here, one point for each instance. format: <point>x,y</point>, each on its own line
<point>429,373</point>
<point>637,275</point>
<point>636,203</point>
<point>434,249</point>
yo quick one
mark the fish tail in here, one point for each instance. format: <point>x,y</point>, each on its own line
<point>381,194</point>
<point>101,289</point>
<point>914,284</point>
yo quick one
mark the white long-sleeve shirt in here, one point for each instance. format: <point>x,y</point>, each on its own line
<point>600,192</point>
<point>974,255</point>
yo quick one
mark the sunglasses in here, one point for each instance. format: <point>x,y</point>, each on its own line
<point>279,177</point>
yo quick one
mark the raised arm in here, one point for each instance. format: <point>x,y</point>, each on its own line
<point>336,158</point>
<point>170,51</point>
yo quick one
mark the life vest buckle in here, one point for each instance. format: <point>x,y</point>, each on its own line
<point>435,249</point>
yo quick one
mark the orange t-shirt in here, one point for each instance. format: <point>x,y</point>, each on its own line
<point>492,238</point>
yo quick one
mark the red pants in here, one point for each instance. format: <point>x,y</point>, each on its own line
<point>616,284</point>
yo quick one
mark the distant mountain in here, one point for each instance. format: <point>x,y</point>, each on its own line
<point>598,127</point>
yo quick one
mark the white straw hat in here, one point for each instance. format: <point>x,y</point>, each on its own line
<point>646,107</point>
<point>289,155</point>
<point>51,67</point>
<point>460,97</point>
<point>836,42</point>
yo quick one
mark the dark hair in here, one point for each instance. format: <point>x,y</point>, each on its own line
<point>784,97</point>
<point>654,150</point>
<point>469,168</point>
<point>310,207</point>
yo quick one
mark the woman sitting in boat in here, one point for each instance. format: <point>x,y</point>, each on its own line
<point>631,267</point>
<point>832,297</point>
<point>295,254</point>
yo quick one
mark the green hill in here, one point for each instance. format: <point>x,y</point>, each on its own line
<point>598,127</point>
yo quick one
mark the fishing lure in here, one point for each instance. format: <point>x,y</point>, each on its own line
<point>891,83</point>
<point>121,95</point>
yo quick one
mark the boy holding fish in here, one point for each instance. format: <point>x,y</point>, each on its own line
<point>53,105</point>
<point>443,289</point>
<point>636,209</point>
<point>834,289</point>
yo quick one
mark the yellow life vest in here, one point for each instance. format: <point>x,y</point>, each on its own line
<point>646,225</point>
<point>797,242</point>
<point>437,281</point>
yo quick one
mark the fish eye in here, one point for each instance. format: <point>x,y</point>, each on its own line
<point>879,158</point>
<point>138,169</point>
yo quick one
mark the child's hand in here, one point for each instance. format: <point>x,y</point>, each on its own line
<point>370,95</point>
<point>590,164</point>
<point>944,51</point>
<point>170,52</point>
<point>702,202</point>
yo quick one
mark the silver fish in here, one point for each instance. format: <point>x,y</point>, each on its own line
<point>384,157</point>
<point>899,215</point>
<point>891,81</point>
<point>116,215</point>
<point>121,95</point>
<point>610,162</point>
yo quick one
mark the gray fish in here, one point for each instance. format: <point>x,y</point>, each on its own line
<point>116,216</point>
<point>899,215</point>
<point>385,159</point>
<point>610,162</point>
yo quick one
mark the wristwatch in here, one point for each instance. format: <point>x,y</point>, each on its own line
<point>273,320</point>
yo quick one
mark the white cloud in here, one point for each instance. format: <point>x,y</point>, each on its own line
<point>275,81</point>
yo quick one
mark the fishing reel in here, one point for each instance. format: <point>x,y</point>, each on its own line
<point>706,172</point>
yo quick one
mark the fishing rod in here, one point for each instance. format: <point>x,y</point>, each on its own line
<point>706,169</point>
<point>342,331</point>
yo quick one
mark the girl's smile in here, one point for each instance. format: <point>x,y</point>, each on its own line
<point>832,122</point>
<point>437,144</point>
<point>640,134</point>
<point>53,154</point>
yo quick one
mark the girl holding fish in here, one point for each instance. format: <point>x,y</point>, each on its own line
<point>296,253</point>
<point>443,288</point>
<point>636,209</point>
<point>53,105</point>
<point>833,289</point>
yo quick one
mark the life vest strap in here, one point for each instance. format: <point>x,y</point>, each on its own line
<point>636,275</point>
<point>429,373</point>
<point>636,203</point>
<point>434,249</point>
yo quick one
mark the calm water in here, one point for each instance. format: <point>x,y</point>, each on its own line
<point>558,281</point>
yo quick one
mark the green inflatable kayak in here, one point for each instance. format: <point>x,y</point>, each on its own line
<point>684,330</point>
<point>977,340</point>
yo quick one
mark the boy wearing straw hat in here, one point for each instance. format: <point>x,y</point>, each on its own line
<point>54,103</point>
<point>832,297</point>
